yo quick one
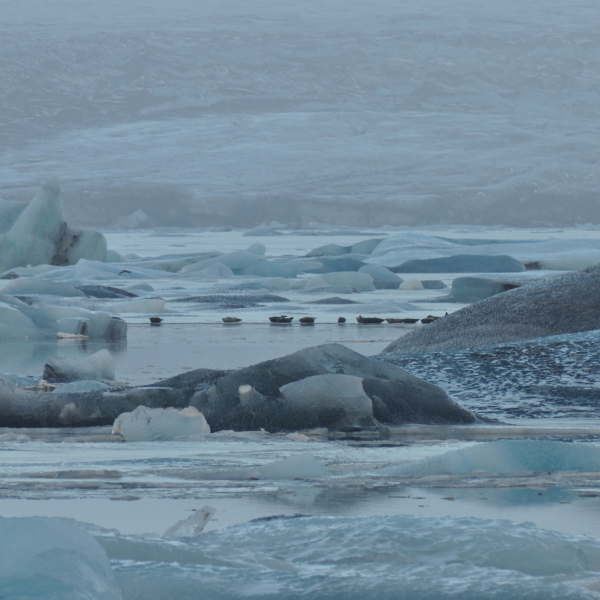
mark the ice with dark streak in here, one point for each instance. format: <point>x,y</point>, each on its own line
<point>277,395</point>
<point>566,304</point>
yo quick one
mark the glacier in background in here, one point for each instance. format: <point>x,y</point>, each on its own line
<point>238,113</point>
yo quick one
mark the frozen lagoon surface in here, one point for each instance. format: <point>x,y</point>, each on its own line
<point>499,511</point>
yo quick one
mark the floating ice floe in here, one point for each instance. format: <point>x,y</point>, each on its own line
<point>472,289</point>
<point>564,304</point>
<point>508,457</point>
<point>382,278</point>
<point>149,424</point>
<point>40,235</point>
<point>43,558</point>
<point>192,526</point>
<point>244,262</point>
<point>19,320</point>
<point>98,366</point>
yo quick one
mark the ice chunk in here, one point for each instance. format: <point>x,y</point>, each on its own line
<point>193,525</point>
<point>327,401</point>
<point>397,397</point>
<point>382,278</point>
<point>366,246</point>
<point>361,282</point>
<point>462,263</point>
<point>562,304</point>
<point>297,466</point>
<point>242,262</point>
<point>50,558</point>
<point>100,365</point>
<point>25,287</point>
<point>411,240</point>
<point>472,289</point>
<point>216,271</point>
<point>509,456</point>
<point>135,220</point>
<point>14,325</point>
<point>329,250</point>
<point>40,235</point>
<point>336,265</point>
<point>411,284</point>
<point>148,424</point>
<point>257,248</point>
<point>84,385</point>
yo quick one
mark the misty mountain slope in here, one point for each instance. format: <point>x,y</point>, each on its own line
<point>236,112</point>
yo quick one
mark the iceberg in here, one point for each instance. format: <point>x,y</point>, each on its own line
<point>135,220</point>
<point>193,525</point>
<point>361,282</point>
<point>151,424</point>
<point>53,559</point>
<point>297,466</point>
<point>100,365</point>
<point>462,263</point>
<point>255,397</point>
<point>508,457</point>
<point>244,262</point>
<point>40,235</point>
<point>472,289</point>
<point>14,325</point>
<point>334,265</point>
<point>562,304</point>
<point>383,279</point>
<point>9,213</point>
<point>26,287</point>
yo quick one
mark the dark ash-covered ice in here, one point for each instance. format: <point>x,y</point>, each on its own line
<point>324,386</point>
<point>252,398</point>
<point>566,304</point>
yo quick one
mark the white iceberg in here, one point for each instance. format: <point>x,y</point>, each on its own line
<point>45,558</point>
<point>100,365</point>
<point>40,235</point>
<point>149,424</point>
<point>298,466</point>
<point>193,525</point>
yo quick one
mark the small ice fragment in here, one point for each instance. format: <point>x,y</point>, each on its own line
<point>193,525</point>
<point>298,466</point>
<point>148,424</point>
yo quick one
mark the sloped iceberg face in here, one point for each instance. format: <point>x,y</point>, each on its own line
<point>53,559</point>
<point>388,558</point>
<point>563,304</point>
<point>40,235</point>
<point>509,456</point>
